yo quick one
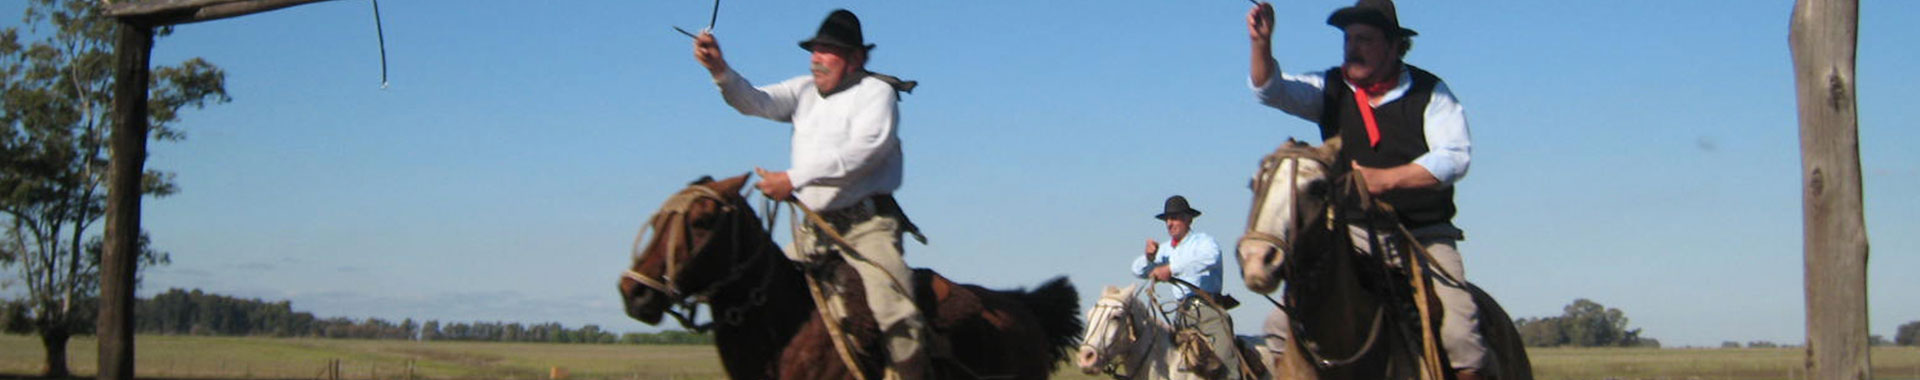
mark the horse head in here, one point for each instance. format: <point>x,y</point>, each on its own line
<point>1112,328</point>
<point>1292,194</point>
<point>691,249</point>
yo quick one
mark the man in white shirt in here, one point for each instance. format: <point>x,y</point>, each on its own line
<point>1405,134</point>
<point>846,165</point>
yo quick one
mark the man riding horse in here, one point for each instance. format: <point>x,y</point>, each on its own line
<point>1193,257</point>
<point>1406,137</point>
<point>846,165</point>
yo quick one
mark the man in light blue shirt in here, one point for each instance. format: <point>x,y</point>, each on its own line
<point>1195,258</point>
<point>1190,256</point>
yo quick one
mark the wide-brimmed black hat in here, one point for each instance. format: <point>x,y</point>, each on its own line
<point>1177,206</point>
<point>1378,13</point>
<point>842,29</point>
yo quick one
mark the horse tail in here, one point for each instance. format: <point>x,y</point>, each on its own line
<point>1057,306</point>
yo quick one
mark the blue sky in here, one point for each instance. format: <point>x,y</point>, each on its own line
<point>1640,154</point>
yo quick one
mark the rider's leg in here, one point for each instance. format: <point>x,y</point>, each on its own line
<point>1287,362</point>
<point>1459,327</point>
<point>1217,326</point>
<point>887,280</point>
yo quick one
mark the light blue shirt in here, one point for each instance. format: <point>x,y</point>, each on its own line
<point>1448,145</point>
<point>1195,260</point>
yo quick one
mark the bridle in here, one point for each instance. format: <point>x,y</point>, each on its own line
<point>1262,184</point>
<point>1125,316</point>
<point>674,214</point>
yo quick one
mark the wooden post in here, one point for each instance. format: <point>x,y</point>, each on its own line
<point>1823,36</point>
<point>128,149</point>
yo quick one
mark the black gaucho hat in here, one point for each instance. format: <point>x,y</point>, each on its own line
<point>1378,13</point>
<point>1177,206</point>
<point>842,29</point>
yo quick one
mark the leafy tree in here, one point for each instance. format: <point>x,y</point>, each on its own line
<point>1583,323</point>
<point>1908,334</point>
<point>56,94</point>
<point>1729,344</point>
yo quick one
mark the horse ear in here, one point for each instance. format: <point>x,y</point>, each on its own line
<point>705,179</point>
<point>1331,148</point>
<point>731,185</point>
<point>1332,144</point>
<point>1108,292</point>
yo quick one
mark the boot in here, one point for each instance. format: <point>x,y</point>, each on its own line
<point>1468,374</point>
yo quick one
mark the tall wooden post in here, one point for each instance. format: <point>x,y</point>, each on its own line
<point>128,160</point>
<point>1823,37</point>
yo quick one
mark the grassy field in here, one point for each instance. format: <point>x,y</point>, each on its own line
<point>270,358</point>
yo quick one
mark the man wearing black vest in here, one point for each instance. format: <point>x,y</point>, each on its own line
<point>1403,131</point>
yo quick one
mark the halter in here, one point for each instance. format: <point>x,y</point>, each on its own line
<point>1133,334</point>
<point>674,212</point>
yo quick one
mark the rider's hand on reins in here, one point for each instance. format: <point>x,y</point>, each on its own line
<point>775,185</point>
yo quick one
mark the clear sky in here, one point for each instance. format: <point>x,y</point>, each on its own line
<point>1641,154</point>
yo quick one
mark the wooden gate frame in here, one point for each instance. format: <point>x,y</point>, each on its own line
<point>128,156</point>
<point>1823,38</point>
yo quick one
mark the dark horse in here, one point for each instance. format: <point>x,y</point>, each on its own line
<point>709,246</point>
<point>1350,315</point>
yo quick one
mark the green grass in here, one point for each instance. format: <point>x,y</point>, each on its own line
<point>277,358</point>
<point>1703,364</point>
<point>284,358</point>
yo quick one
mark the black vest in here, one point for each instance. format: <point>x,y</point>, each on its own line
<point>1403,138</point>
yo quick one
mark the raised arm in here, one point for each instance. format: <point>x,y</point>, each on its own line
<point>1299,95</point>
<point>775,102</point>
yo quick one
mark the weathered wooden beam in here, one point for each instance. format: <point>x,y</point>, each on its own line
<point>174,12</point>
<point>1823,37</point>
<point>127,162</point>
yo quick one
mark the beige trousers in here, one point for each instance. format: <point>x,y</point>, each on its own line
<point>1218,327</point>
<point>1460,326</point>
<point>878,257</point>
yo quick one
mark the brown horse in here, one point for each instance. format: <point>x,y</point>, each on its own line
<point>1350,316</point>
<point>710,247</point>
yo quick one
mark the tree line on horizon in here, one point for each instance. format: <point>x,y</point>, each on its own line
<point>1585,323</point>
<point>183,312</point>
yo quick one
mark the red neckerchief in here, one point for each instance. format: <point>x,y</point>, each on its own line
<point>1176,242</point>
<point>1364,99</point>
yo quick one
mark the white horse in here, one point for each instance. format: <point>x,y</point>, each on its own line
<point>1125,340</point>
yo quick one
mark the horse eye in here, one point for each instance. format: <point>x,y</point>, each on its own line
<point>1317,188</point>
<point>705,222</point>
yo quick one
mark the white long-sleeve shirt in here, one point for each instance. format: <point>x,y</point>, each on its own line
<point>1449,147</point>
<point>845,146</point>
